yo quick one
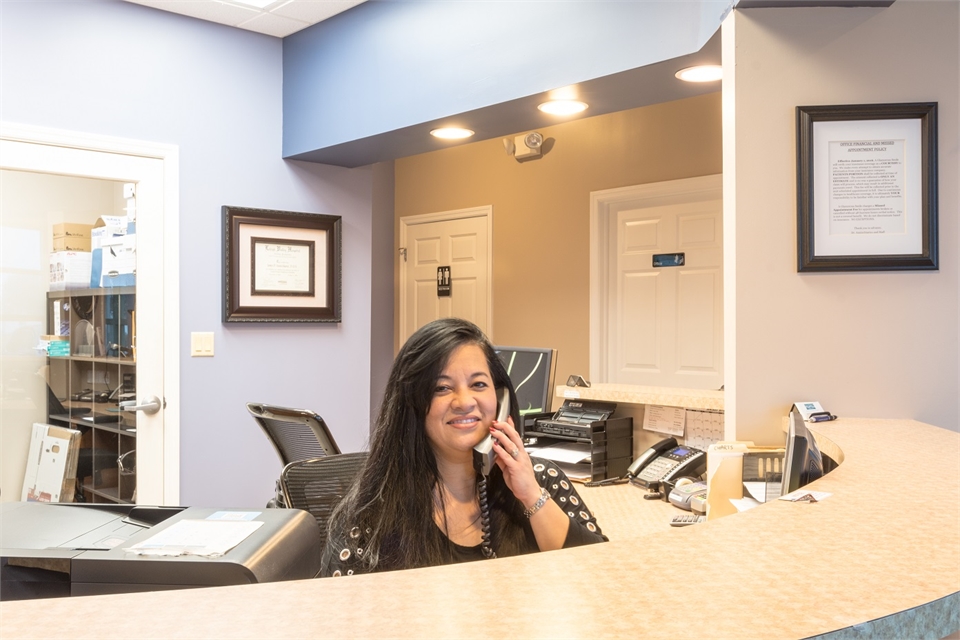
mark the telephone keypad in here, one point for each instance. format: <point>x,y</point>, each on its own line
<point>685,520</point>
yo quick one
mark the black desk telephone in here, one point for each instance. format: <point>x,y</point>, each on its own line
<point>483,460</point>
<point>661,465</point>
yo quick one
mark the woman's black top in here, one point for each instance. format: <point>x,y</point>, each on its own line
<point>343,553</point>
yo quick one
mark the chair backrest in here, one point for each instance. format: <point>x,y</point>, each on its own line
<point>318,485</point>
<point>296,434</point>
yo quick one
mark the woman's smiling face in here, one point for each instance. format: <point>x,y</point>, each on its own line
<point>464,404</point>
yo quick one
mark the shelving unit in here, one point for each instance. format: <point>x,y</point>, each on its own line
<point>87,386</point>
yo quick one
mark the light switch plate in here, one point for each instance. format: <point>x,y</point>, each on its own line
<point>201,344</point>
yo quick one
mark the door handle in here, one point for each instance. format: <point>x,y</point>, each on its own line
<point>151,405</point>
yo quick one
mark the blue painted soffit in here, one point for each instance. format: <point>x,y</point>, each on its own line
<point>370,83</point>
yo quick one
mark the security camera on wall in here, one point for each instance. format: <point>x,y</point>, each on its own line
<point>524,146</point>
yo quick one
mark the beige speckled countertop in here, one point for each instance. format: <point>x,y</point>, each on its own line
<point>633,394</point>
<point>881,544</point>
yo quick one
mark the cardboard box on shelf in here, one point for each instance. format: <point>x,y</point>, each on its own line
<point>51,473</point>
<point>70,270</point>
<point>72,230</point>
<point>71,243</point>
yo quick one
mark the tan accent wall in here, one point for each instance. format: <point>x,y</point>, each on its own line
<point>541,208</point>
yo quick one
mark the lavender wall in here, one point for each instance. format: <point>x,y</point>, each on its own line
<point>119,69</point>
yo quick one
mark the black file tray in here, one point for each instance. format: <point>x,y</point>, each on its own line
<point>611,446</point>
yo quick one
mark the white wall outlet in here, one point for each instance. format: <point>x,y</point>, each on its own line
<point>201,344</point>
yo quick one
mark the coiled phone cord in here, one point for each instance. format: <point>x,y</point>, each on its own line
<point>485,544</point>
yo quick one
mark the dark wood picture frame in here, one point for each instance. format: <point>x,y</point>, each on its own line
<point>315,295</point>
<point>809,193</point>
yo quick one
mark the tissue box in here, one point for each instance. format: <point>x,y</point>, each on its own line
<point>70,270</point>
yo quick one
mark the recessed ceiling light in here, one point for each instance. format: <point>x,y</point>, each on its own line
<point>703,73</point>
<point>562,107</point>
<point>451,133</point>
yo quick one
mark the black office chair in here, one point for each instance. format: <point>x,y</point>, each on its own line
<point>296,434</point>
<point>318,485</point>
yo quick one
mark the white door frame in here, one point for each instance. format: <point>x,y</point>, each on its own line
<point>169,192</point>
<point>485,211</point>
<point>603,222</point>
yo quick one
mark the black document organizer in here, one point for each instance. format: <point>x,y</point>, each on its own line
<point>611,445</point>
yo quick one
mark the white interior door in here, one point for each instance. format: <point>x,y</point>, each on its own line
<point>459,240</point>
<point>153,168</point>
<point>659,325</point>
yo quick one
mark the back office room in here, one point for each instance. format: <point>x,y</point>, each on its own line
<point>883,344</point>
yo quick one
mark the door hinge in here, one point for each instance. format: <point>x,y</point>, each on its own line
<point>403,253</point>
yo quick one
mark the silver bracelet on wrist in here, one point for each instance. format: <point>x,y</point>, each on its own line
<point>544,496</point>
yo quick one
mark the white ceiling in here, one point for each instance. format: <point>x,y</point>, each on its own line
<point>279,18</point>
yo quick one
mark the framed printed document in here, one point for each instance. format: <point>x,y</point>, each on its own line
<point>867,187</point>
<point>280,266</point>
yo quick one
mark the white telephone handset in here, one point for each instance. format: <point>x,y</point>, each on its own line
<point>483,454</point>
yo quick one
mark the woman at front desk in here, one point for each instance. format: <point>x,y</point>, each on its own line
<point>419,500</point>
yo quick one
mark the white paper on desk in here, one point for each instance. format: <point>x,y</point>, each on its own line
<point>669,420</point>
<point>207,538</point>
<point>569,452</point>
<point>576,472</point>
<point>744,504</point>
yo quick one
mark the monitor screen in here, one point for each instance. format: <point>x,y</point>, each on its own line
<point>802,462</point>
<point>532,372</point>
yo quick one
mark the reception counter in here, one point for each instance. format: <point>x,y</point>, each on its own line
<point>878,558</point>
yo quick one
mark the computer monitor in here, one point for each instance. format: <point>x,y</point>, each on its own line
<point>802,462</point>
<point>532,372</point>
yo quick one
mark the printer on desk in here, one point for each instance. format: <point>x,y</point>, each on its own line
<point>60,549</point>
<point>591,421</point>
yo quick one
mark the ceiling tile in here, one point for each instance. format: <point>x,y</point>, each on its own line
<point>314,11</point>
<point>273,25</point>
<point>212,11</point>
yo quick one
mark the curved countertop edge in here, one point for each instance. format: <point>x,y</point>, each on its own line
<point>937,619</point>
<point>857,564</point>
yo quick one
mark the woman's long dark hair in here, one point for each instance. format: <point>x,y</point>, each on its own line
<point>393,500</point>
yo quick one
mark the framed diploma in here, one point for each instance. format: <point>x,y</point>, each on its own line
<point>280,266</point>
<point>867,187</point>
